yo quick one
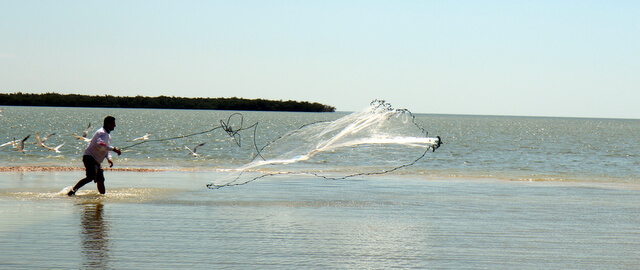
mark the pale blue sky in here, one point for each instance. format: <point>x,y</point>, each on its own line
<point>538,58</point>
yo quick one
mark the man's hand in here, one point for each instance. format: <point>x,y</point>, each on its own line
<point>110,163</point>
<point>117,150</point>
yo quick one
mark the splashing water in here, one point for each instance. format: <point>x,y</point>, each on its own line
<point>389,138</point>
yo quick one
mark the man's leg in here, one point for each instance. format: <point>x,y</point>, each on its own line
<point>100,181</point>
<point>80,183</point>
<point>91,169</point>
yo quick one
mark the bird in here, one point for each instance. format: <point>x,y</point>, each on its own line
<point>40,141</point>
<point>143,138</point>
<point>193,152</point>
<point>54,149</point>
<point>13,143</point>
<point>47,137</point>
<point>86,131</point>
<point>84,134</point>
<point>20,146</point>
<point>81,138</point>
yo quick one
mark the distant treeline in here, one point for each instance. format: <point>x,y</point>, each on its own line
<point>161,102</point>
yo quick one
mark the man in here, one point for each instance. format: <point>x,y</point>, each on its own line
<point>95,153</point>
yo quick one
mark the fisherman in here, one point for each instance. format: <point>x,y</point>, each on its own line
<point>99,148</point>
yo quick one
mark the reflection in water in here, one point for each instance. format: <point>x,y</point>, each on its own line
<point>95,240</point>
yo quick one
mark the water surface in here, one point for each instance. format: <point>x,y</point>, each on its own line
<point>501,193</point>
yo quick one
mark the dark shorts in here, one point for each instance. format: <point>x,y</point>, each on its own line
<point>93,169</point>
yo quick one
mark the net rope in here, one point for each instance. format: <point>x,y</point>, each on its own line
<point>234,134</point>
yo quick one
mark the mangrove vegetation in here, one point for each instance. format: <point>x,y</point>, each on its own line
<point>160,102</point>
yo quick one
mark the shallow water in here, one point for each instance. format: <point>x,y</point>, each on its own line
<point>167,220</point>
<point>510,148</point>
<point>501,193</point>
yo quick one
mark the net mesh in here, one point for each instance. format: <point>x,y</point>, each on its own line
<point>386,138</point>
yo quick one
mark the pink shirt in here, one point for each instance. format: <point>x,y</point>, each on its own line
<point>100,146</point>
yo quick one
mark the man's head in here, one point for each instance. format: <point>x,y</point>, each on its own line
<point>109,123</point>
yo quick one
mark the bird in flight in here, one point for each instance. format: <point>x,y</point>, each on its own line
<point>20,146</point>
<point>193,152</point>
<point>84,134</point>
<point>143,138</point>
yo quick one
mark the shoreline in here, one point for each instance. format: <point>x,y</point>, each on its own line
<point>69,169</point>
<point>455,178</point>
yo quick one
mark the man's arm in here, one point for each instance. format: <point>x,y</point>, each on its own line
<point>115,149</point>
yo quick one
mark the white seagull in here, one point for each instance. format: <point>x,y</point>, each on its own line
<point>84,134</point>
<point>81,138</point>
<point>143,138</point>
<point>86,131</point>
<point>13,143</point>
<point>193,152</point>
<point>54,149</point>
<point>20,146</point>
<point>40,142</point>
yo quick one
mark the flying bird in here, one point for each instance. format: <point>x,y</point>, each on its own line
<point>54,149</point>
<point>193,152</point>
<point>143,138</point>
<point>20,146</point>
<point>40,141</point>
<point>81,138</point>
<point>12,143</point>
<point>47,137</point>
<point>84,134</point>
<point>86,131</point>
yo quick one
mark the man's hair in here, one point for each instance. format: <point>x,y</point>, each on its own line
<point>109,120</point>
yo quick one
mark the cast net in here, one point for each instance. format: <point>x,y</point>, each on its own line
<point>377,140</point>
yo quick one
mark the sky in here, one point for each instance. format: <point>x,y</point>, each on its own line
<point>529,58</point>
